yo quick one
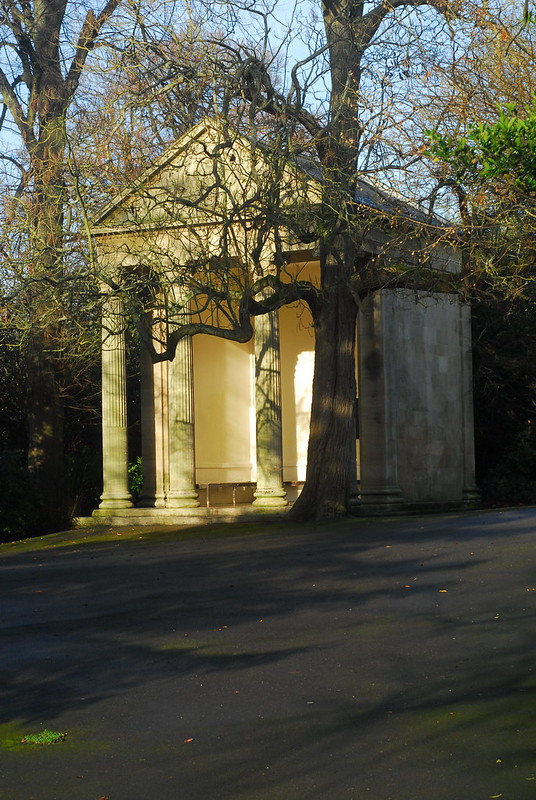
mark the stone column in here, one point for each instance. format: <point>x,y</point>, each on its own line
<point>154,430</point>
<point>270,490</point>
<point>379,489</point>
<point>470,491</point>
<point>114,409</point>
<point>182,492</point>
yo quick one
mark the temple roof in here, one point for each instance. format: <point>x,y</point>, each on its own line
<point>209,133</point>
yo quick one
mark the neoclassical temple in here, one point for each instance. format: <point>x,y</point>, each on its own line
<point>224,424</point>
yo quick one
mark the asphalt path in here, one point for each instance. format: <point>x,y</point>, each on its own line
<point>384,659</point>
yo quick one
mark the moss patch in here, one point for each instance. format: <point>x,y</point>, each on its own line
<point>79,538</point>
<point>14,736</point>
<point>43,737</point>
<point>11,735</point>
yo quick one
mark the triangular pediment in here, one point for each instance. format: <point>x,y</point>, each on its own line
<point>210,171</point>
<point>215,193</point>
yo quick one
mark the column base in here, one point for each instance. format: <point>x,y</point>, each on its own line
<point>182,500</point>
<point>118,501</point>
<point>471,496</point>
<point>380,500</point>
<point>272,498</point>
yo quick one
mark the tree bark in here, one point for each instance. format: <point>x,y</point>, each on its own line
<point>33,35</point>
<point>45,402</point>
<point>331,449</point>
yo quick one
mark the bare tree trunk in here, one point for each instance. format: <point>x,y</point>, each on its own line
<point>45,403</point>
<point>331,449</point>
<point>331,452</point>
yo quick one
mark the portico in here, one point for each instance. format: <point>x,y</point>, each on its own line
<point>229,418</point>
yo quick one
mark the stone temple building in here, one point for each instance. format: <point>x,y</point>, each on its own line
<point>224,425</point>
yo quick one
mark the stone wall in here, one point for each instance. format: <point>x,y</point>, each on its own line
<point>415,398</point>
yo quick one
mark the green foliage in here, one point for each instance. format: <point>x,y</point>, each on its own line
<point>504,149</point>
<point>135,477</point>
<point>494,165</point>
<point>45,737</point>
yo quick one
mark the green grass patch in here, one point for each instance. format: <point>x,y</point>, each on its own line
<point>80,538</point>
<point>213,530</point>
<point>44,737</point>
<point>14,737</point>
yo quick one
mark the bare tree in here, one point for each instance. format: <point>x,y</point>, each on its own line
<point>481,160</point>
<point>322,112</point>
<point>341,133</point>
<point>41,65</point>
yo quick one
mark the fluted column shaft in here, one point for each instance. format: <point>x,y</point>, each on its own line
<point>154,430</point>
<point>182,491</point>
<point>114,408</point>
<point>270,490</point>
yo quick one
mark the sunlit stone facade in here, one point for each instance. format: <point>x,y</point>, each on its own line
<point>225,424</point>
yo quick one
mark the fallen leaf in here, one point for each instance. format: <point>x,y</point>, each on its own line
<point>187,740</point>
<point>443,591</point>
